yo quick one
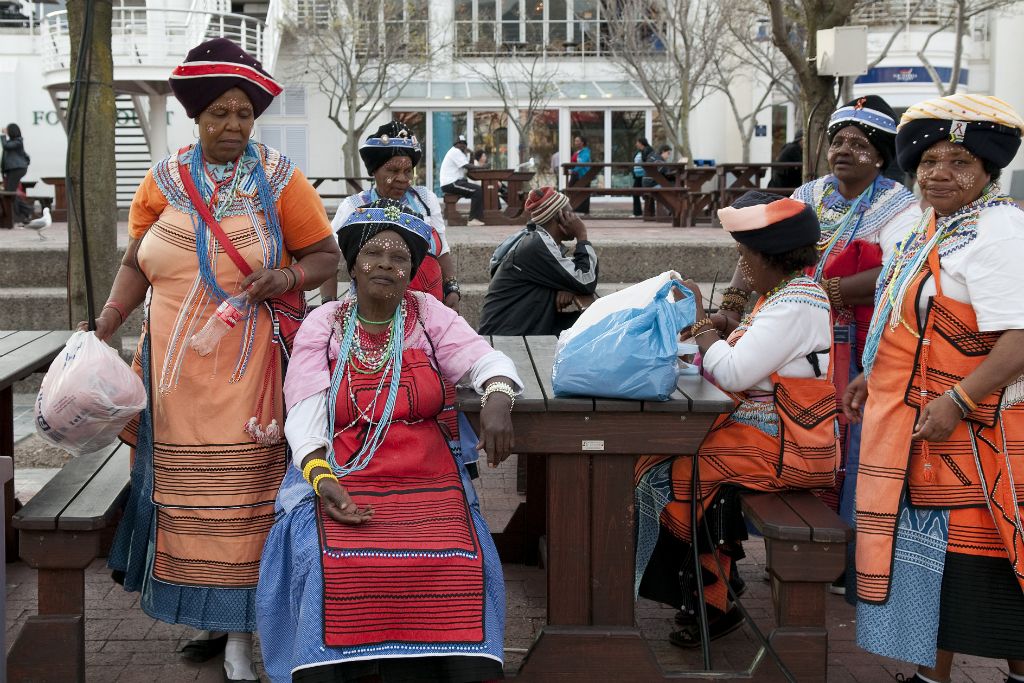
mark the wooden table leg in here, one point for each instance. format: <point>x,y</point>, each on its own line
<point>7,450</point>
<point>568,540</point>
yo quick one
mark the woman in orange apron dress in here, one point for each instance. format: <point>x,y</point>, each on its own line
<point>206,462</point>
<point>782,433</point>
<point>940,556</point>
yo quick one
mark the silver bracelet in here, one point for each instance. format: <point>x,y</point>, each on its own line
<point>499,387</point>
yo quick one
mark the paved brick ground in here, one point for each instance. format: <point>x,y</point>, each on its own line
<point>126,646</point>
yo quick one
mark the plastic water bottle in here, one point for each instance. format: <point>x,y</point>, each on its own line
<point>223,320</point>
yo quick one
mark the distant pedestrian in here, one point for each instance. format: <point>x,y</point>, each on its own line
<point>644,154</point>
<point>453,179</point>
<point>14,163</point>
<point>791,152</point>
<point>580,156</point>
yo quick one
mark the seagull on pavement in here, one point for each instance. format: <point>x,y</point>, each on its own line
<point>40,224</point>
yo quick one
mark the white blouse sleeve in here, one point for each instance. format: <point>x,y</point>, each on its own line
<point>306,427</point>
<point>779,334</point>
<point>494,364</point>
<point>345,210</point>
<point>436,218</point>
<point>992,270</point>
<point>897,229</point>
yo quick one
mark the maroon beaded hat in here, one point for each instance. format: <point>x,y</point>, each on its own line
<point>214,67</point>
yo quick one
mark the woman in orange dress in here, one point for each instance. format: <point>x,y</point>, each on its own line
<point>782,433</point>
<point>940,555</point>
<point>209,457</point>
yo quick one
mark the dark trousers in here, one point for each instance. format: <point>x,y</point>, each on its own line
<point>638,210</point>
<point>12,178</point>
<point>584,207</point>
<point>464,188</point>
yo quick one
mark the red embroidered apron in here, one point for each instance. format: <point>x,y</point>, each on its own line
<point>972,473</point>
<point>415,572</point>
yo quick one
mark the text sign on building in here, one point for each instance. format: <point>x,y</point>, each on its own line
<point>909,74</point>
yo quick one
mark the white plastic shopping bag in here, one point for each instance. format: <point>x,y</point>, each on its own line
<point>634,296</point>
<point>87,397</point>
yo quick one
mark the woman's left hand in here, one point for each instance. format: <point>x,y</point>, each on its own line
<point>265,283</point>
<point>938,420</point>
<point>496,428</point>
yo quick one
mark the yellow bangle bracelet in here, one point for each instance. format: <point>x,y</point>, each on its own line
<point>313,464</point>
<point>317,478</point>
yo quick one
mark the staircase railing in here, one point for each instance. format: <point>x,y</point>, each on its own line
<point>142,36</point>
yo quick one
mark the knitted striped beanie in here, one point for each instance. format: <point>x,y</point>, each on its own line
<point>544,203</point>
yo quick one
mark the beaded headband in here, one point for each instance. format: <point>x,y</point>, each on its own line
<point>402,140</point>
<point>392,215</point>
<point>867,117</point>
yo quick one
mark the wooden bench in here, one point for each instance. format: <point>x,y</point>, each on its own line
<point>450,213</point>
<point>7,199</point>
<point>806,551</point>
<point>678,200</point>
<point>63,529</point>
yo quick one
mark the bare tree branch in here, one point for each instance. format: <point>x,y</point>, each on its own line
<point>668,47</point>
<point>360,54</point>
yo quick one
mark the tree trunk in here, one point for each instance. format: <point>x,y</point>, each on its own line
<point>352,141</point>
<point>91,172</point>
<point>683,133</point>
<point>818,103</point>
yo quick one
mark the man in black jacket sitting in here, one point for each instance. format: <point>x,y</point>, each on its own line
<point>537,285</point>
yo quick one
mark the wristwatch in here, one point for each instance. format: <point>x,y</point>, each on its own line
<point>451,285</point>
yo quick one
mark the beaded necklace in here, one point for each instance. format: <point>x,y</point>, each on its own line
<point>351,357</point>
<point>844,230</point>
<point>909,259</point>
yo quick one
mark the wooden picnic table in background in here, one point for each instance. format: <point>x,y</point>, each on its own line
<point>60,199</point>
<point>21,354</point>
<point>678,186</point>
<point>580,493</point>
<point>490,180</point>
<point>355,185</point>
<point>733,180</point>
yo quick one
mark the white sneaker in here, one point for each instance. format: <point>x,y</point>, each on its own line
<point>475,222</point>
<point>238,666</point>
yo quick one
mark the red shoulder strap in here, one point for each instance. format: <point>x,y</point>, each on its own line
<point>204,211</point>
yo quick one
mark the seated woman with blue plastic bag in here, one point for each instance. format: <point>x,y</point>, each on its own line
<point>781,434</point>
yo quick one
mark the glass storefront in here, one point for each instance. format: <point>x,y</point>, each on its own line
<point>542,147</point>
<point>447,127</point>
<point>490,133</point>
<point>627,126</point>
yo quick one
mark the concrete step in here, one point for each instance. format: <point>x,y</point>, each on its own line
<point>624,259</point>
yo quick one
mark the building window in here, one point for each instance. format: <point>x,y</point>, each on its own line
<point>291,141</point>
<point>558,27</point>
<point>390,28</point>
<point>290,103</point>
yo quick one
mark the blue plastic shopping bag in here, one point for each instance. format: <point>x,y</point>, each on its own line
<point>628,354</point>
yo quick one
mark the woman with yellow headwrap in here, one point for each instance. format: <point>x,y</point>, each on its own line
<point>940,555</point>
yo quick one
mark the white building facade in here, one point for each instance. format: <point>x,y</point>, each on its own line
<point>594,97</point>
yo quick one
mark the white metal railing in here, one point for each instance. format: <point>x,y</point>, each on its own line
<point>890,12</point>
<point>141,36</point>
<point>552,38</point>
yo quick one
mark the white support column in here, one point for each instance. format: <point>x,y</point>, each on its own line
<point>607,147</point>
<point>157,127</point>
<point>564,143</point>
<point>513,145</point>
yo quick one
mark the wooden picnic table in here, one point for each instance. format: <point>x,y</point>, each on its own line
<point>733,180</point>
<point>585,448</point>
<point>21,354</point>
<point>60,200</point>
<point>681,189</point>
<point>355,184</point>
<point>490,180</point>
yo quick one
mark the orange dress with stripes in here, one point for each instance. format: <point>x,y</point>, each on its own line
<point>802,452</point>
<point>213,488</point>
<point>977,473</point>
